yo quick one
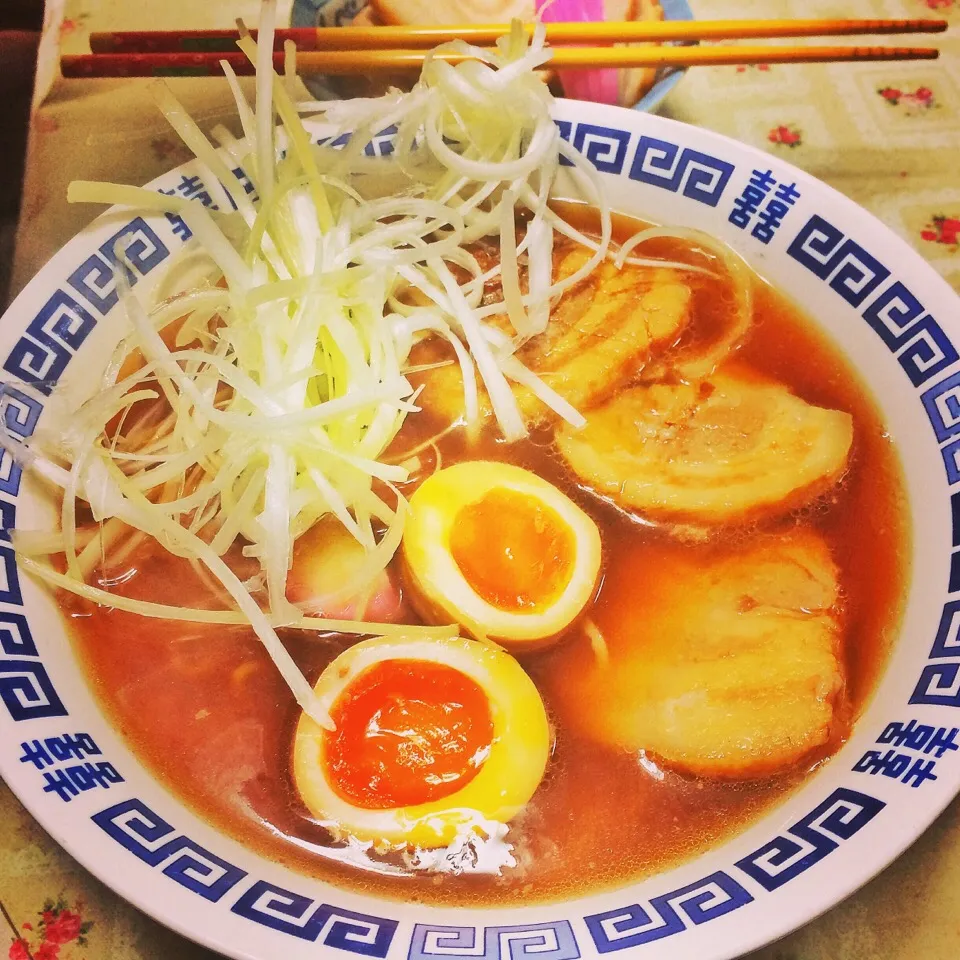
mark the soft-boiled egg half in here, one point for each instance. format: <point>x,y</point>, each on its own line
<point>432,739</point>
<point>501,552</point>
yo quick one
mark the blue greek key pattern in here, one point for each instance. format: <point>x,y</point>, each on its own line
<point>947,641</point>
<point>894,312</point>
<point>154,841</point>
<point>26,691</point>
<point>61,326</point>
<point>897,314</point>
<point>659,163</point>
<point>95,280</point>
<point>8,518</point>
<point>138,247</point>
<point>667,915</point>
<point>16,640</point>
<point>293,913</point>
<point>41,355</point>
<point>157,843</point>
<point>19,414</point>
<point>382,144</point>
<point>942,403</point>
<point>9,577</point>
<point>826,252</point>
<point>604,147</point>
<point>939,682</point>
<point>819,833</point>
<point>681,170</point>
<point>544,941</point>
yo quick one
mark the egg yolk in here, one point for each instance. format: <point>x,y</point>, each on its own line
<point>514,551</point>
<point>408,732</point>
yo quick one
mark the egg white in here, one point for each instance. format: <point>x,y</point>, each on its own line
<point>443,591</point>
<point>507,779</point>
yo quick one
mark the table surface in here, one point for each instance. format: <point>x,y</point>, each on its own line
<point>887,135</point>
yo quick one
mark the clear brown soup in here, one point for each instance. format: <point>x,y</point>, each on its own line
<point>209,715</point>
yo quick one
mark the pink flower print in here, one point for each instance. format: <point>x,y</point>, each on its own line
<point>784,135</point>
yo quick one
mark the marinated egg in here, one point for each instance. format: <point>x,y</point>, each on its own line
<point>500,551</point>
<point>433,738</point>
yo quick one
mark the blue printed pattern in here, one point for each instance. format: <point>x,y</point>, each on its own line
<point>41,355</point>
<point>903,761</point>
<point>542,941</point>
<point>8,518</point>
<point>604,147</point>
<point>756,206</point>
<point>302,917</point>
<point>15,636</point>
<point>942,403</point>
<point>59,329</point>
<point>73,779</point>
<point>939,682</point>
<point>193,188</point>
<point>896,314</point>
<point>19,414</point>
<point>26,691</point>
<point>660,163</point>
<point>9,577</point>
<point>809,840</point>
<point>36,362</point>
<point>154,841</point>
<point>70,781</point>
<point>158,844</point>
<point>951,463</point>
<point>681,170</point>
<point>64,322</point>
<point>53,750</point>
<point>25,687</point>
<point>52,338</point>
<point>667,915</point>
<point>380,145</point>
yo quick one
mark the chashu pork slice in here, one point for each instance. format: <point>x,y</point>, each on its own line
<point>727,450</point>
<point>601,334</point>
<point>729,668</point>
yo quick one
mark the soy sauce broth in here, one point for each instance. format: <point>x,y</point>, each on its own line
<point>206,711</point>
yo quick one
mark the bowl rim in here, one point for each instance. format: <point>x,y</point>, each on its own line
<point>140,894</point>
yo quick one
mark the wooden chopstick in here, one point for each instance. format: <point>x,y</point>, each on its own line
<point>342,62</point>
<point>414,37</point>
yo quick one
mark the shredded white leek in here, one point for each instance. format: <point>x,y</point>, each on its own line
<point>162,611</point>
<point>276,398</point>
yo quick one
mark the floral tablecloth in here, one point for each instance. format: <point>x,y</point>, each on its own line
<point>887,135</point>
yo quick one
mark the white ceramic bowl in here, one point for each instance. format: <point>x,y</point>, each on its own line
<point>886,309</point>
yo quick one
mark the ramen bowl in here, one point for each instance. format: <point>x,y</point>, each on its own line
<point>880,305</point>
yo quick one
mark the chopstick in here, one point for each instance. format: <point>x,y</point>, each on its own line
<point>343,62</point>
<point>414,37</point>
